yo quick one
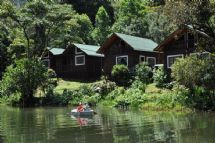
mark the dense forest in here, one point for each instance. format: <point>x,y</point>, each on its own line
<point>29,27</point>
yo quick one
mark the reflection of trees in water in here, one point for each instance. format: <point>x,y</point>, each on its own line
<point>152,126</point>
<point>52,125</point>
<point>24,125</point>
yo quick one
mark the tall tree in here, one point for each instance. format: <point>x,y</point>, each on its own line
<point>102,26</point>
<point>90,7</point>
<point>130,18</point>
<point>38,20</point>
<point>159,26</point>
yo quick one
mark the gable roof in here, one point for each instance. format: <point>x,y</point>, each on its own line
<point>56,51</point>
<point>137,43</point>
<point>182,29</point>
<point>89,49</point>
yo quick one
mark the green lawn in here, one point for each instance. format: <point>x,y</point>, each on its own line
<point>69,84</point>
<point>66,84</point>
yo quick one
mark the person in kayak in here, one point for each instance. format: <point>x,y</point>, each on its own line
<point>80,108</point>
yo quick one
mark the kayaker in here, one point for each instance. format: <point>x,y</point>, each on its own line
<point>80,108</point>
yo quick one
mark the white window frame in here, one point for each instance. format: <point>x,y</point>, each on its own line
<point>151,58</point>
<point>78,57</point>
<point>47,60</point>
<point>171,56</point>
<point>76,51</point>
<point>141,56</point>
<point>124,56</point>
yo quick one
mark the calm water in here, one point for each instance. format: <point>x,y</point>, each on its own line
<point>55,125</point>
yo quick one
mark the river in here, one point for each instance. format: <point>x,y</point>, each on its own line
<point>109,125</point>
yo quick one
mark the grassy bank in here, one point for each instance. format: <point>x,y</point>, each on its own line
<point>67,84</point>
<point>145,97</point>
<point>156,99</point>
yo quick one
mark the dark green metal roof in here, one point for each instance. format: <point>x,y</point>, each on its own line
<point>56,51</point>
<point>89,49</point>
<point>138,43</point>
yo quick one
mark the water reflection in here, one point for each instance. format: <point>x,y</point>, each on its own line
<point>54,125</point>
<point>83,121</point>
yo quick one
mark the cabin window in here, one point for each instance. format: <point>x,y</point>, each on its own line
<point>80,60</point>
<point>46,62</point>
<point>141,59</point>
<point>122,60</point>
<point>78,51</point>
<point>151,61</point>
<point>172,58</point>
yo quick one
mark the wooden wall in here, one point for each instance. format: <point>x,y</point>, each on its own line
<point>65,67</point>
<point>120,48</point>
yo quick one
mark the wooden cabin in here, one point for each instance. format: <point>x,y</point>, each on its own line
<point>179,44</point>
<point>77,61</point>
<point>128,50</point>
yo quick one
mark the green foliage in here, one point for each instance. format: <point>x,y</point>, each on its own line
<point>208,77</point>
<point>197,74</point>
<point>138,85</point>
<point>24,78</point>
<point>91,7</point>
<point>48,23</point>
<point>116,92</point>
<point>77,29</point>
<point>188,71</point>
<point>120,74</point>
<point>130,18</point>
<point>103,87</point>
<point>159,26</point>
<point>143,73</point>
<point>160,77</point>
<point>102,26</point>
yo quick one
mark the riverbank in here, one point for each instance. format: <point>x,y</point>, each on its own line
<point>107,93</point>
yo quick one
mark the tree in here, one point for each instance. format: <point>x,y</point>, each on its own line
<point>91,7</point>
<point>199,14</point>
<point>159,26</point>
<point>5,41</point>
<point>77,29</point>
<point>130,18</point>
<point>16,80</point>
<point>38,20</point>
<point>102,26</point>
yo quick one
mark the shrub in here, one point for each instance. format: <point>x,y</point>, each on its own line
<point>115,93</point>
<point>138,85</point>
<point>160,77</point>
<point>188,71</point>
<point>143,73</point>
<point>104,87</point>
<point>24,77</point>
<point>197,74</point>
<point>120,74</point>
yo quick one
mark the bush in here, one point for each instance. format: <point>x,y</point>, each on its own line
<point>160,77</point>
<point>138,85</point>
<point>143,73</point>
<point>104,87</point>
<point>24,77</point>
<point>115,93</point>
<point>188,71</point>
<point>197,74</point>
<point>120,74</point>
